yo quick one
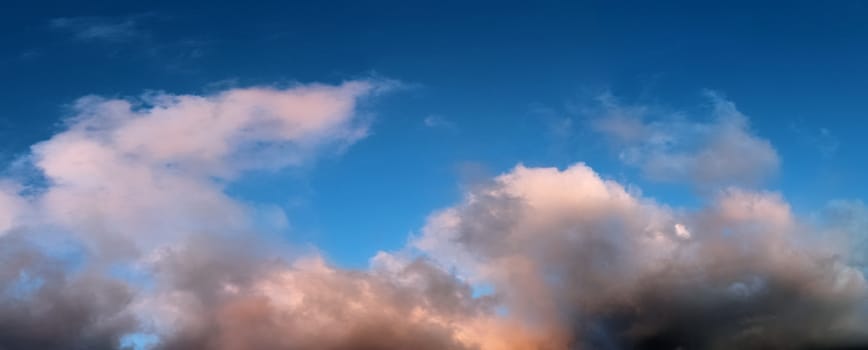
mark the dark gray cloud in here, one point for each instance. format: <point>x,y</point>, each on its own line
<point>43,305</point>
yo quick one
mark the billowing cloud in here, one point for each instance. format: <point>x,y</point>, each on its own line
<point>723,151</point>
<point>129,233</point>
<point>602,267</point>
<point>243,303</point>
<point>130,178</point>
<point>143,172</point>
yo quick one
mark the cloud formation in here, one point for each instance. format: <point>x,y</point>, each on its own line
<point>129,232</point>
<point>45,306</point>
<point>435,121</point>
<point>603,268</point>
<point>99,28</point>
<point>721,152</point>
<point>132,173</point>
<point>246,303</point>
<point>129,179</point>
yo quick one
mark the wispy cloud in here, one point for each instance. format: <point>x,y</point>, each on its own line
<point>136,35</point>
<point>439,121</point>
<point>107,29</point>
<point>822,139</point>
<point>718,149</point>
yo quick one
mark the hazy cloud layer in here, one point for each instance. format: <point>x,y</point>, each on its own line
<point>435,121</point>
<point>719,152</point>
<point>107,29</point>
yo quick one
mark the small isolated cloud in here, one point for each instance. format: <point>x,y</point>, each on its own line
<point>438,121</point>
<point>721,151</point>
<point>108,29</point>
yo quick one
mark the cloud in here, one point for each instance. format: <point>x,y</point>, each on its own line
<point>721,152</point>
<point>107,29</point>
<point>246,303</point>
<point>137,173</point>
<point>601,267</point>
<point>130,178</point>
<point>438,121</point>
<point>44,306</point>
<point>134,35</point>
<point>847,221</point>
<point>822,139</point>
<point>131,234</point>
<point>11,207</point>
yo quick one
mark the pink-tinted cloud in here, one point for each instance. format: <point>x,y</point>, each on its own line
<point>535,258</point>
<point>596,264</point>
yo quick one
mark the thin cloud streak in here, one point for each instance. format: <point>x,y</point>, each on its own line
<point>106,29</point>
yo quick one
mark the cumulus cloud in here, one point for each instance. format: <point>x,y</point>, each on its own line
<point>248,303</point>
<point>723,151</point>
<point>601,267</point>
<point>128,178</point>
<point>132,233</point>
<point>150,170</point>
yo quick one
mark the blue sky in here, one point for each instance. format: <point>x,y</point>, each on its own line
<point>483,86</point>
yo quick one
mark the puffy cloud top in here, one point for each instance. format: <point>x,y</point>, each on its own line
<point>599,266</point>
<point>133,234</point>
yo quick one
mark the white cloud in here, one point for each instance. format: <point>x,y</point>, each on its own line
<point>146,170</point>
<point>681,231</point>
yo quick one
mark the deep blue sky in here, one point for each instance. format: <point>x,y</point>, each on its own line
<point>498,76</point>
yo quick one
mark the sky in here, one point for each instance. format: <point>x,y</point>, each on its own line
<point>355,137</point>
